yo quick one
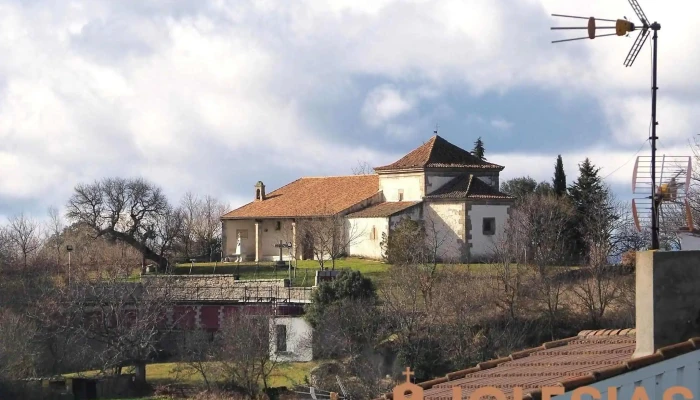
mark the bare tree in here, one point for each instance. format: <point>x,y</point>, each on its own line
<point>25,233</point>
<point>18,351</point>
<point>362,168</point>
<point>209,228</point>
<point>540,222</point>
<point>510,273</point>
<point>599,287</point>
<point>54,232</point>
<point>197,355</point>
<point>190,204</point>
<point>245,356</point>
<point>131,211</point>
<point>329,236</point>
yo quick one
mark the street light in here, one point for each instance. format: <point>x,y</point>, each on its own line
<point>69,248</point>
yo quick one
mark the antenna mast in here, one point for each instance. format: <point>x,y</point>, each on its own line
<point>622,28</point>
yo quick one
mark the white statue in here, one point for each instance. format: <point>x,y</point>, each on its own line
<point>239,257</point>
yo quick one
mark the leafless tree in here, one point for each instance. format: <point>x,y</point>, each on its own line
<point>510,272</point>
<point>190,204</point>
<point>245,357</point>
<point>599,287</point>
<point>197,355</point>
<point>129,210</point>
<point>329,236</point>
<point>18,351</point>
<point>362,168</point>
<point>54,232</point>
<point>24,232</point>
<point>209,228</point>
<point>540,222</point>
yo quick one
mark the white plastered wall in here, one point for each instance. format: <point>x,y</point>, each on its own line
<point>411,184</point>
<point>445,224</point>
<point>269,236</point>
<point>365,244</point>
<point>482,245</point>
<point>299,335</point>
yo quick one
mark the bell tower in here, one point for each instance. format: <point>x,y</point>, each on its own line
<point>259,191</point>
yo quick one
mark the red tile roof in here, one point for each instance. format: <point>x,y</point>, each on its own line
<point>385,209</point>
<point>590,357</point>
<point>308,197</point>
<point>439,153</point>
<point>468,186</point>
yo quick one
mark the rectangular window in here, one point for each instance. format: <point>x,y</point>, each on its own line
<point>489,226</point>
<point>278,226</point>
<point>242,232</point>
<point>281,337</point>
<point>373,233</point>
<point>400,194</point>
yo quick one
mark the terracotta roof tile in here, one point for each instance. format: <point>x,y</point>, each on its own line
<point>385,209</point>
<point>439,153</point>
<point>467,186</point>
<point>589,357</point>
<point>308,197</point>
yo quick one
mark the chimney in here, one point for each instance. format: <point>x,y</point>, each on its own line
<point>667,299</point>
<point>259,191</point>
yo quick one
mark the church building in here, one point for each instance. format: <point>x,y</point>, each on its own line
<point>453,192</point>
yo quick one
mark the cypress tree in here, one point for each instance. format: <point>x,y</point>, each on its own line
<point>479,149</point>
<point>587,194</point>
<point>559,181</point>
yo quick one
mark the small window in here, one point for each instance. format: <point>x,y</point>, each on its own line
<point>242,232</point>
<point>400,194</point>
<point>257,194</point>
<point>281,337</point>
<point>489,227</point>
<point>278,226</point>
<point>373,233</point>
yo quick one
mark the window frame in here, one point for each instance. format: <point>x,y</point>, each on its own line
<point>281,331</point>
<point>492,225</point>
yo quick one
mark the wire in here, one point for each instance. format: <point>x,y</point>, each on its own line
<point>628,161</point>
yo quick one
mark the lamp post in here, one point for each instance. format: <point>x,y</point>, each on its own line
<point>69,249</point>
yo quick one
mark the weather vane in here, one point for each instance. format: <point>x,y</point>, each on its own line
<point>622,28</point>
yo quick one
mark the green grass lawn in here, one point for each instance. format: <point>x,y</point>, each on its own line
<point>305,269</point>
<point>285,374</point>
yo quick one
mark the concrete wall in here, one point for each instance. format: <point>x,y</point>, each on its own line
<point>299,335</point>
<point>445,224</point>
<point>365,245</point>
<point>481,245</point>
<point>413,186</point>
<point>669,310</point>
<point>689,241</point>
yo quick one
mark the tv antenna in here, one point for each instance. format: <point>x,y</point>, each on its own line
<point>623,27</point>
<point>671,195</point>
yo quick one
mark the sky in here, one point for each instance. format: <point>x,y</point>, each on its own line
<point>212,96</point>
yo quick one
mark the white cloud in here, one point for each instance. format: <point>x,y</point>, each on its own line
<point>501,124</point>
<point>213,95</point>
<point>384,104</point>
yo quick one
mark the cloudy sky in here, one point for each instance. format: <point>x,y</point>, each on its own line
<point>212,96</point>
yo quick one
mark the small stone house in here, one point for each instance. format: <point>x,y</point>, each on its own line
<point>447,187</point>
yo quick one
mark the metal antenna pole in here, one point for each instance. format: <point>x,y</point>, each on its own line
<point>654,204</point>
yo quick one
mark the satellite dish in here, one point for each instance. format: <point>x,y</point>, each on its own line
<point>670,191</point>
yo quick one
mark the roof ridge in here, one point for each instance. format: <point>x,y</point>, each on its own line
<point>266,194</point>
<point>336,176</point>
<point>607,332</point>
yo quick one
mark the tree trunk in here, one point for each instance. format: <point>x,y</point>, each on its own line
<point>140,372</point>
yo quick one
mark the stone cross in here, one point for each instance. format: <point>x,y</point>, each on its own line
<point>281,245</point>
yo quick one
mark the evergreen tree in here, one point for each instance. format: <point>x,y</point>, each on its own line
<point>559,181</point>
<point>479,149</point>
<point>588,194</point>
